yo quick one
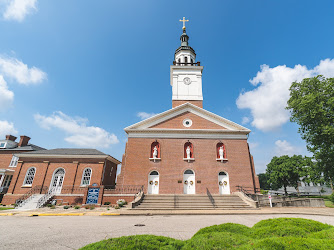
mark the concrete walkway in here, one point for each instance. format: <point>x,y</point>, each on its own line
<point>60,211</point>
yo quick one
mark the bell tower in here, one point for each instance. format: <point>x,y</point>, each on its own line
<point>186,74</point>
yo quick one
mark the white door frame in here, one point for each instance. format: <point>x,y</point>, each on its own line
<point>189,182</point>
<point>153,183</point>
<point>224,183</point>
<point>60,181</point>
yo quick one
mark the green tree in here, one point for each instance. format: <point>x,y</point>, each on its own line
<point>286,171</point>
<point>263,179</point>
<point>311,105</point>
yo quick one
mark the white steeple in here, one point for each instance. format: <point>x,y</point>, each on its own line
<point>186,74</point>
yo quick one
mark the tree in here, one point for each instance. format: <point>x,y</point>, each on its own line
<point>286,171</point>
<point>311,105</point>
<point>263,180</point>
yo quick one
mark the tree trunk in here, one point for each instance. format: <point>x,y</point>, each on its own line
<point>286,192</point>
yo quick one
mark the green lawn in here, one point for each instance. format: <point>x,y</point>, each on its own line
<point>6,208</point>
<point>328,203</point>
<point>281,233</point>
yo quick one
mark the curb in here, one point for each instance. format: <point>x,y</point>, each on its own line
<point>7,214</point>
<point>68,214</point>
<point>109,214</point>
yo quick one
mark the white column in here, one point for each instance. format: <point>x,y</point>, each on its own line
<point>1,180</point>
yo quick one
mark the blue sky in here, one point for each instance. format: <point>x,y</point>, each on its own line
<point>75,73</point>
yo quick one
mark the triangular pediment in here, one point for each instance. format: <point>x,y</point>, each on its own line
<point>174,118</point>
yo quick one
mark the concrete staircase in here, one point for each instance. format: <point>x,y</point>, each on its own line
<point>192,202</point>
<point>30,203</point>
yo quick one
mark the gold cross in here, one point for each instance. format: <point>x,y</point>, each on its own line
<point>184,22</point>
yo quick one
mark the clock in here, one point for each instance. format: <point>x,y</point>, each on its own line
<point>186,80</point>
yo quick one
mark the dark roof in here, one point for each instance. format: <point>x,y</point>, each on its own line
<point>29,147</point>
<point>69,151</point>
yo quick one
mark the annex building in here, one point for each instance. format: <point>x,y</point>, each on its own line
<point>187,149</point>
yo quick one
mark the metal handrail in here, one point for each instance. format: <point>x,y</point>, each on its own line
<point>27,196</point>
<point>187,63</point>
<point>46,197</point>
<point>123,189</point>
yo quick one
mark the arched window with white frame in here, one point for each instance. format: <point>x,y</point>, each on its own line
<point>86,176</point>
<point>28,180</point>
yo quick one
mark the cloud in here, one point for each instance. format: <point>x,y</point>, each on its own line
<point>6,96</point>
<point>144,115</point>
<point>17,10</point>
<point>17,70</point>
<point>268,100</point>
<point>6,128</point>
<point>285,148</point>
<point>78,133</point>
<point>245,120</point>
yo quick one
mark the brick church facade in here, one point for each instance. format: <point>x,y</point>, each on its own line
<point>187,149</point>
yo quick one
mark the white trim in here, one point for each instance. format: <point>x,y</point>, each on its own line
<point>137,134</point>
<point>69,195</point>
<point>154,159</point>
<point>90,177</point>
<point>25,178</point>
<point>119,195</point>
<point>187,107</point>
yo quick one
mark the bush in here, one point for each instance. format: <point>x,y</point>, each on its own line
<point>121,202</point>
<point>107,203</point>
<point>49,205</point>
<point>271,234</point>
<point>331,197</point>
<point>216,240</point>
<point>77,207</point>
<point>227,227</point>
<point>66,207</point>
<point>141,242</point>
<point>53,207</point>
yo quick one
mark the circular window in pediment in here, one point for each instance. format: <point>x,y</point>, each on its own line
<point>187,123</point>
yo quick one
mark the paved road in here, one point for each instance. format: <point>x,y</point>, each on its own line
<point>74,232</point>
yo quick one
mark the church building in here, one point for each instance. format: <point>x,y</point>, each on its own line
<point>187,149</point>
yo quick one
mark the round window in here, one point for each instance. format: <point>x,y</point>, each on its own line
<point>187,122</point>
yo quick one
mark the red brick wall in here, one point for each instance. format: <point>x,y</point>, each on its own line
<point>176,103</point>
<point>137,166</point>
<point>198,122</point>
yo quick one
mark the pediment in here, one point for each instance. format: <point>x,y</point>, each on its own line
<point>201,120</point>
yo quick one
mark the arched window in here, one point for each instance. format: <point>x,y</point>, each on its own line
<point>188,171</point>
<point>186,59</point>
<point>179,61</point>
<point>155,150</point>
<point>154,173</point>
<point>221,151</point>
<point>188,146</point>
<point>86,176</point>
<point>28,180</point>
<point>222,173</point>
<point>192,61</point>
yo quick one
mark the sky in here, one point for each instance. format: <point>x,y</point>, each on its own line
<point>76,73</point>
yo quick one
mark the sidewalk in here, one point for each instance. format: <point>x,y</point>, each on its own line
<point>102,211</point>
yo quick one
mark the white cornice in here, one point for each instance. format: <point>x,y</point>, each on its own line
<point>187,107</point>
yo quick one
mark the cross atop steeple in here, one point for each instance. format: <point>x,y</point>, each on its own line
<point>184,22</point>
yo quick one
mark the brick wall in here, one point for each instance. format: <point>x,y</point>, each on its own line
<point>137,166</point>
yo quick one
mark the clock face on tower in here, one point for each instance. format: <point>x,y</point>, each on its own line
<point>186,80</point>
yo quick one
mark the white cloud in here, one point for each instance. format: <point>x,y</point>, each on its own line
<point>245,120</point>
<point>144,115</point>
<point>6,128</point>
<point>16,69</point>
<point>285,148</point>
<point>6,96</point>
<point>17,10</point>
<point>268,100</point>
<point>78,133</point>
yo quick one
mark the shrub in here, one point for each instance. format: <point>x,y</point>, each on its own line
<point>331,197</point>
<point>53,207</point>
<point>324,234</point>
<point>142,242</point>
<point>227,227</point>
<point>77,207</point>
<point>91,207</point>
<point>121,202</point>
<point>216,240</point>
<point>66,207</point>
<point>107,203</point>
<point>49,205</point>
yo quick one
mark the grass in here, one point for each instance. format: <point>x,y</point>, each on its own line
<point>6,208</point>
<point>271,234</point>
<point>328,203</point>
